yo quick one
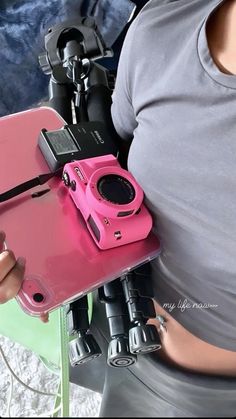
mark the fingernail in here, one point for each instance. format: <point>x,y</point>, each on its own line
<point>21,261</point>
<point>2,235</point>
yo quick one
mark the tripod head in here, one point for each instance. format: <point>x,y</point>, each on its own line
<point>77,39</point>
<point>71,49</point>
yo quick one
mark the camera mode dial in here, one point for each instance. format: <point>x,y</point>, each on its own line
<point>66,179</point>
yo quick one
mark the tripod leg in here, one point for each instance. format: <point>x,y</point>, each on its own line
<point>60,96</point>
<point>84,347</point>
<point>143,337</point>
<point>118,319</point>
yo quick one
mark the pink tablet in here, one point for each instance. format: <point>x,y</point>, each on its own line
<point>62,260</point>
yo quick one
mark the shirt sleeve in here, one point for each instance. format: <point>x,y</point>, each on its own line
<point>122,110</point>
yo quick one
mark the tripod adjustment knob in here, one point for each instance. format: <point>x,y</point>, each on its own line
<point>89,22</point>
<point>83,349</point>
<point>44,63</point>
<point>119,354</point>
<point>143,339</point>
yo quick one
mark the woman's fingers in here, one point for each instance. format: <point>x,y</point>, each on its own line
<point>11,272</point>
<point>11,275</point>
<point>7,263</point>
<point>44,317</point>
<point>2,239</point>
<point>11,283</point>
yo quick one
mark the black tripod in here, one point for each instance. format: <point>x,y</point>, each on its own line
<point>80,90</point>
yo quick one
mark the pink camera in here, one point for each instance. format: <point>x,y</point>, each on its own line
<point>109,199</point>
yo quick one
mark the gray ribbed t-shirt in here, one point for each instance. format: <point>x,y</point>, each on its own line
<point>181,111</point>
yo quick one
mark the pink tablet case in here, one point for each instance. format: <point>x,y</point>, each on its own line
<point>62,260</point>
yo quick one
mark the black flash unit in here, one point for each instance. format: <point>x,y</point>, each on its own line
<point>75,142</point>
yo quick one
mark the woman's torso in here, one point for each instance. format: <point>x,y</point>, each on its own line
<point>186,135</point>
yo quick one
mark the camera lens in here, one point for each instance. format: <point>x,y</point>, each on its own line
<point>116,189</point>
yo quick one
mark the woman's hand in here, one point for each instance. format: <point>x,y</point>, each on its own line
<point>11,272</point>
<point>11,275</point>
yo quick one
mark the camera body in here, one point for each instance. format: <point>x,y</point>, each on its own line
<point>109,199</point>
